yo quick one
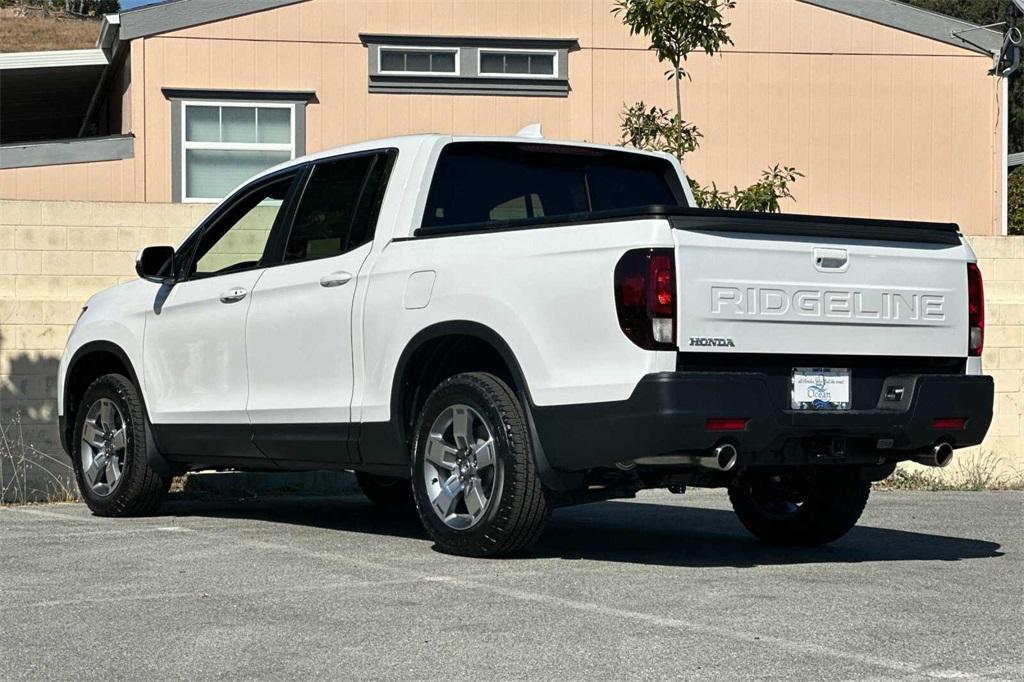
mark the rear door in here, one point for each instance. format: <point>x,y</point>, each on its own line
<point>760,293</point>
<point>299,329</point>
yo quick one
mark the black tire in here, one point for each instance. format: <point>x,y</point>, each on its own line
<point>517,509</point>
<point>799,506</point>
<point>385,491</point>
<point>140,489</point>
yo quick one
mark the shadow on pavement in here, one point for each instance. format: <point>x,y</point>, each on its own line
<point>641,533</point>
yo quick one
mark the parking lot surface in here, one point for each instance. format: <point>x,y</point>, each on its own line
<point>928,586</point>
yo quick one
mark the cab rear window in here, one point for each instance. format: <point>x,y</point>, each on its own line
<point>481,185</point>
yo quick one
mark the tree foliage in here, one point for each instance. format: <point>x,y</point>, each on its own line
<point>655,128</point>
<point>79,7</point>
<point>1015,201</point>
<point>764,195</point>
<point>677,28</point>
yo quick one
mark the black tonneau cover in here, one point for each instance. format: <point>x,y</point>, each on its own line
<point>706,220</point>
<point>718,220</point>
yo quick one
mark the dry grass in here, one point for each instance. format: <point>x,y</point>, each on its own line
<point>976,472</point>
<point>20,459</point>
<point>32,33</point>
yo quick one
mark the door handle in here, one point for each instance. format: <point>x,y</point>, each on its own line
<point>831,259</point>
<point>233,295</point>
<point>335,279</point>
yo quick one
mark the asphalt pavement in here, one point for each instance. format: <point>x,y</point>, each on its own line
<point>928,586</point>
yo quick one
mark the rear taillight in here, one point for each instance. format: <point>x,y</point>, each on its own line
<point>975,311</point>
<point>645,297</point>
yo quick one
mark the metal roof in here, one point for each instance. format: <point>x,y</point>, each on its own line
<point>173,15</point>
<point>52,59</point>
<point>919,22</point>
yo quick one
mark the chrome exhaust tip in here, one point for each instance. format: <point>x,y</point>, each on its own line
<point>723,458</point>
<point>940,456</point>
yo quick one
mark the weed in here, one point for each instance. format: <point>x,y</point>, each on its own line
<point>975,472</point>
<point>22,464</point>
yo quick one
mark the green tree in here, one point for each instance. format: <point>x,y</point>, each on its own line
<point>1015,201</point>
<point>675,29</point>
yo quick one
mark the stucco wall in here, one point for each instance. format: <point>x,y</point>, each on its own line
<point>883,123</point>
<point>54,255</point>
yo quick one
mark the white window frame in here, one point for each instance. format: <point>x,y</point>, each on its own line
<point>511,50</point>
<point>232,146</point>
<point>418,48</point>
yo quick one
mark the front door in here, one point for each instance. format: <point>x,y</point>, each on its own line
<point>299,330</point>
<point>194,344</point>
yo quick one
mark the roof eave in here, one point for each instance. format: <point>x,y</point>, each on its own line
<point>899,15</point>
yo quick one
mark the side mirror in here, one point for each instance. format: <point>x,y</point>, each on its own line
<point>156,264</point>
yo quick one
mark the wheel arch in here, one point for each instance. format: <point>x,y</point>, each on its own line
<point>91,361</point>
<point>432,353</point>
<point>447,348</point>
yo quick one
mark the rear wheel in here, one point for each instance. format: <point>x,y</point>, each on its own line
<point>385,491</point>
<point>110,451</point>
<point>799,506</point>
<point>474,481</point>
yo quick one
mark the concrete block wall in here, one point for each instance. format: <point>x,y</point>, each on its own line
<point>1001,260</point>
<point>54,255</point>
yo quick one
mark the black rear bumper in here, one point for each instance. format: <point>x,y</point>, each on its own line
<point>668,414</point>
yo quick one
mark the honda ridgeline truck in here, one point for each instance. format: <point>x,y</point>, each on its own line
<point>488,328</point>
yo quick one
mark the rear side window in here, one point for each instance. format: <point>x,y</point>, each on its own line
<point>492,184</point>
<point>338,209</point>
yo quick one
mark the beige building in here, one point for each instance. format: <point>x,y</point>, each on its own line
<point>888,110</point>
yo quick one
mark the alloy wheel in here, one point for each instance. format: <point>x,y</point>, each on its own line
<point>459,466</point>
<point>104,446</point>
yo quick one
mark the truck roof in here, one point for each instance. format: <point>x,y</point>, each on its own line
<point>413,142</point>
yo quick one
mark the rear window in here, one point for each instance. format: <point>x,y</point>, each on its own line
<point>483,185</point>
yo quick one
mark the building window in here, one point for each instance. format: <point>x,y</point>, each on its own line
<point>518,63</point>
<point>225,143</point>
<point>419,60</point>
<point>449,65</point>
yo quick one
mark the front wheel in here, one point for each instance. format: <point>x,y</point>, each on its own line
<point>110,451</point>
<point>474,479</point>
<point>799,506</point>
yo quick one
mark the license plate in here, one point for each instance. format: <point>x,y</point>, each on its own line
<point>820,388</point>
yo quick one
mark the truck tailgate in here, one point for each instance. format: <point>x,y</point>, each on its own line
<point>775,290</point>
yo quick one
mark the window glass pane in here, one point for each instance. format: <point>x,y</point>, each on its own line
<point>443,62</point>
<point>491,62</point>
<point>392,60</point>
<point>513,209</point>
<point>543,64</point>
<point>237,241</point>
<point>212,173</point>
<point>275,125</point>
<point>365,222</point>
<point>517,63</point>
<point>417,61</point>
<point>238,124</point>
<point>202,124</point>
<point>324,217</point>
<point>479,183</point>
<point>425,61</point>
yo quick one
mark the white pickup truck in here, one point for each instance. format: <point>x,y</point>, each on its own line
<point>489,328</point>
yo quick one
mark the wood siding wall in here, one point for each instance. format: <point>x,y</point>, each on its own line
<point>883,123</point>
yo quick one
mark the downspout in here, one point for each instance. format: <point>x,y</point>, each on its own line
<point>1005,198</point>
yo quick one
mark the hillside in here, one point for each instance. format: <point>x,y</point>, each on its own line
<point>21,32</point>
